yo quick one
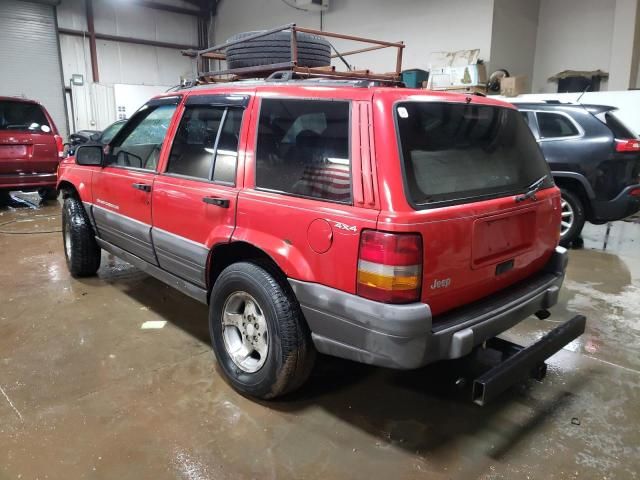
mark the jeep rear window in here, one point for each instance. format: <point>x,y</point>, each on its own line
<point>456,153</point>
<point>303,149</point>
<point>23,116</point>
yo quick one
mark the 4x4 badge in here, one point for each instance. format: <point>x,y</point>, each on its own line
<point>343,226</point>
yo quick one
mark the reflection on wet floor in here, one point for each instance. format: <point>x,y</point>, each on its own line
<point>87,392</point>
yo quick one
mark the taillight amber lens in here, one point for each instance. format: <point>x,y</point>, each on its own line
<point>390,266</point>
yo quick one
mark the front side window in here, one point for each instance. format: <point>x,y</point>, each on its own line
<point>110,132</point>
<point>23,116</point>
<point>554,125</point>
<point>143,135</point>
<point>458,153</point>
<point>303,149</point>
<point>206,144</point>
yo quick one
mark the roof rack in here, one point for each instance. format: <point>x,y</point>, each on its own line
<point>261,71</point>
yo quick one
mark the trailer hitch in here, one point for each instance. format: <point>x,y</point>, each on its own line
<point>519,362</point>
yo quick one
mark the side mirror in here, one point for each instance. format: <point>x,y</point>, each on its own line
<point>90,155</point>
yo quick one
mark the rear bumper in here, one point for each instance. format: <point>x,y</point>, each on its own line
<point>406,336</point>
<point>623,206</point>
<point>27,180</point>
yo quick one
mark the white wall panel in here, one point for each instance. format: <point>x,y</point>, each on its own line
<point>119,18</point>
<point>572,35</point>
<point>513,38</point>
<point>140,64</point>
<point>71,14</point>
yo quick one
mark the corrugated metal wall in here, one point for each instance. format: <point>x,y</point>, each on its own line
<point>30,65</point>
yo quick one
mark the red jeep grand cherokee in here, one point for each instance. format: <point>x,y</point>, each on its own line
<point>389,226</point>
<point>30,147</point>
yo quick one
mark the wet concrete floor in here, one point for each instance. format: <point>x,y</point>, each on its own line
<point>85,392</point>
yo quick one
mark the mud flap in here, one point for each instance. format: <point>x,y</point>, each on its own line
<point>520,362</point>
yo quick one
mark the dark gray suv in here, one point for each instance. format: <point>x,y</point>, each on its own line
<point>594,159</point>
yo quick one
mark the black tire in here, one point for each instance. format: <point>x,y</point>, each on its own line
<point>313,51</point>
<point>577,208</point>
<point>82,253</point>
<point>48,193</point>
<point>290,355</point>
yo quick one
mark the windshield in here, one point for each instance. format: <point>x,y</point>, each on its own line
<point>23,116</point>
<point>455,153</point>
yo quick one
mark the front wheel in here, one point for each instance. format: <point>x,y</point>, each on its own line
<point>80,247</point>
<point>573,218</point>
<point>259,335</point>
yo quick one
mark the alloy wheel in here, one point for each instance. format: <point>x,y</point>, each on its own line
<point>568,217</point>
<point>245,332</point>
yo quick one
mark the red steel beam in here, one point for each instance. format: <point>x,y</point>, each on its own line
<point>118,38</point>
<point>92,41</point>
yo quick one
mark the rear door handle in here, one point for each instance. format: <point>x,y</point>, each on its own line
<point>145,187</point>
<point>218,202</point>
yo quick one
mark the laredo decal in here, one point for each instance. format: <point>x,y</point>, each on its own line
<point>107,204</point>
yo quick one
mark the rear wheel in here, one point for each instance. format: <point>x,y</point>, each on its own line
<point>573,218</point>
<point>259,335</point>
<point>80,248</point>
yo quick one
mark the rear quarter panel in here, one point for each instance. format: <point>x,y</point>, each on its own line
<point>311,240</point>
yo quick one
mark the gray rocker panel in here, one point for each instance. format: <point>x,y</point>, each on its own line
<point>124,232</point>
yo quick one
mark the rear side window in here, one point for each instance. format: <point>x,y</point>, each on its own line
<point>303,149</point>
<point>457,153</point>
<point>23,116</point>
<point>555,125</point>
<point>206,144</point>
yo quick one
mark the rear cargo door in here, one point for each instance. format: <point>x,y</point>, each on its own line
<point>467,170</point>
<point>27,142</point>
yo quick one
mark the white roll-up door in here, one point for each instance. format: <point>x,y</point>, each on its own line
<point>30,57</point>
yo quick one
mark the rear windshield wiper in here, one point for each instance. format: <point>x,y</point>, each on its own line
<point>532,190</point>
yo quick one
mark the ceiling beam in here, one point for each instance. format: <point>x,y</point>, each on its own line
<point>169,8</point>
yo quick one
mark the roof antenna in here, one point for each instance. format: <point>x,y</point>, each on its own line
<point>583,92</point>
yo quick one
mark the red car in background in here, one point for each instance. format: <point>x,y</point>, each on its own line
<point>30,147</point>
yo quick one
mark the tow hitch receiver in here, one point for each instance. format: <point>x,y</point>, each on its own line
<point>522,361</point>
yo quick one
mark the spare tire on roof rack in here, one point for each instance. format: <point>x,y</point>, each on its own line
<point>313,51</point>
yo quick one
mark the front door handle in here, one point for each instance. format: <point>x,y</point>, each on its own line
<point>145,187</point>
<point>218,202</point>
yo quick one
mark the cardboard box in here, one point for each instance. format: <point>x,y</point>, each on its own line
<point>513,86</point>
<point>459,77</point>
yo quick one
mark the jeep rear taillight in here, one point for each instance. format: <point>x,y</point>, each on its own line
<point>390,267</point>
<point>59,145</point>
<point>628,145</point>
